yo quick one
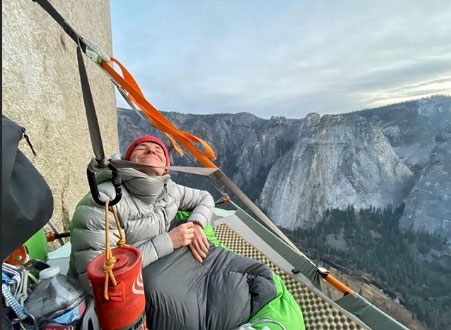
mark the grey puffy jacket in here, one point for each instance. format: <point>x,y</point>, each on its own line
<point>147,207</point>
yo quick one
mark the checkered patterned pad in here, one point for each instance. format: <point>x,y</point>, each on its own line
<point>318,312</point>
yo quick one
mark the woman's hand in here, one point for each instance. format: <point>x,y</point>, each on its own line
<point>199,244</point>
<point>190,234</point>
<point>182,235</point>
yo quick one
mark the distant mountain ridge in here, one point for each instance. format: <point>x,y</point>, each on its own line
<point>296,169</point>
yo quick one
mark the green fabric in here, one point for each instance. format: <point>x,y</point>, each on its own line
<point>209,232</point>
<point>368,313</point>
<point>283,309</point>
<point>37,246</point>
<point>182,215</point>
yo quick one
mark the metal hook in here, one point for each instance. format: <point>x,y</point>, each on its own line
<point>116,180</point>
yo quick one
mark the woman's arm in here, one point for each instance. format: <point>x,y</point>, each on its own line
<point>200,202</point>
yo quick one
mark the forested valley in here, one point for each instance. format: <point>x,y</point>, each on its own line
<point>370,242</point>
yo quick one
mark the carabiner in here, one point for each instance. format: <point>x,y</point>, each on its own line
<point>116,180</point>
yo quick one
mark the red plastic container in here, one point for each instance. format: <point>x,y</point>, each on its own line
<point>125,308</point>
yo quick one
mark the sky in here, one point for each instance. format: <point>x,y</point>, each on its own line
<point>283,58</point>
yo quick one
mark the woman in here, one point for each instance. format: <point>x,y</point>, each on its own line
<point>149,203</point>
<point>188,284</point>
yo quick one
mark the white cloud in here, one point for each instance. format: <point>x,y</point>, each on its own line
<point>291,58</point>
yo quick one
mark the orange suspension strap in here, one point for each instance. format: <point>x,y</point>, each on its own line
<point>128,86</point>
<point>132,90</point>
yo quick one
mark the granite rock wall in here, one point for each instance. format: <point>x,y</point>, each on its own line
<point>41,91</point>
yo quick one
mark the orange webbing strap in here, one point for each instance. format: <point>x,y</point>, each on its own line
<point>128,84</point>
<point>110,260</point>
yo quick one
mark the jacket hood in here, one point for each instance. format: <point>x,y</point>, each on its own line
<point>145,187</point>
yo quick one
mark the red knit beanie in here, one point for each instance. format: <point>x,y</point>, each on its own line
<point>146,138</point>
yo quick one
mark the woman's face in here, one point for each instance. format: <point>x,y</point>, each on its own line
<point>149,153</point>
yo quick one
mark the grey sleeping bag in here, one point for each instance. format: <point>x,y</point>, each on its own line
<point>223,292</point>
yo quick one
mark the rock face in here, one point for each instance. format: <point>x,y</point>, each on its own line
<point>246,146</point>
<point>340,161</point>
<point>41,92</point>
<point>297,169</point>
<point>420,133</point>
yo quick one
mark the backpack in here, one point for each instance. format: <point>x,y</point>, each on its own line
<point>27,201</point>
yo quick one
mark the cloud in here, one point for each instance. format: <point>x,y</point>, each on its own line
<point>286,59</point>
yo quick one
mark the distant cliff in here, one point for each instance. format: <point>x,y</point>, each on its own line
<point>337,161</point>
<point>295,169</point>
<point>420,134</point>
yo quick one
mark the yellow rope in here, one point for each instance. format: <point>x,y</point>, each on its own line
<point>110,260</point>
<point>121,237</point>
